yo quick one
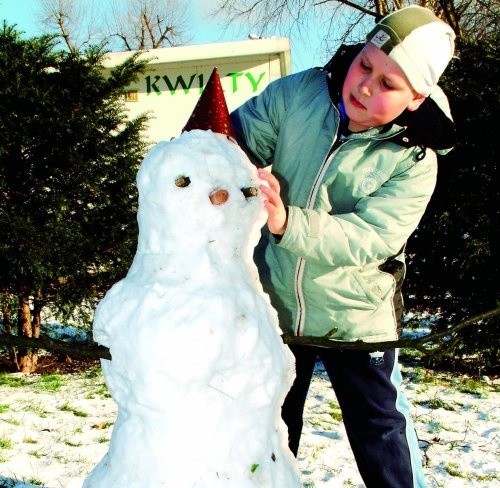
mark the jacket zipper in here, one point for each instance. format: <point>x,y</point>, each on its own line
<point>299,269</point>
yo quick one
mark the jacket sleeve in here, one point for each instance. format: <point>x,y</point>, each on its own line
<point>377,228</point>
<point>258,120</point>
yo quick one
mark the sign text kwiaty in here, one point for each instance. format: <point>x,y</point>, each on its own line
<point>161,84</point>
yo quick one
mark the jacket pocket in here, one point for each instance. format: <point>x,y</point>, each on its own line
<point>377,288</point>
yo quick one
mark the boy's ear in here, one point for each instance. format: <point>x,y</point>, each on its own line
<point>416,102</point>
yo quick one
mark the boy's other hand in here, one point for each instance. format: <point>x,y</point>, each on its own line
<point>277,218</point>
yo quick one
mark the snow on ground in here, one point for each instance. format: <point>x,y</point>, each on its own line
<point>54,429</point>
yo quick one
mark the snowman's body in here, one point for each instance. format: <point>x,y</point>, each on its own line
<point>198,369</point>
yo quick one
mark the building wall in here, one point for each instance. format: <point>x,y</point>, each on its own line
<point>175,77</point>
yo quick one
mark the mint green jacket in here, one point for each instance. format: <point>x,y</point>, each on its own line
<point>352,204</point>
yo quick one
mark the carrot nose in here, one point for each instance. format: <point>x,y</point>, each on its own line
<point>218,197</point>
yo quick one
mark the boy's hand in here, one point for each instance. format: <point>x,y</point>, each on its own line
<point>277,218</point>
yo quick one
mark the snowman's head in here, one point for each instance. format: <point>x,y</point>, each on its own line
<point>199,189</point>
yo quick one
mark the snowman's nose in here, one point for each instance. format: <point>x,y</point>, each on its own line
<point>219,197</point>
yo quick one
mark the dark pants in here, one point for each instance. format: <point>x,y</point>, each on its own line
<point>374,411</point>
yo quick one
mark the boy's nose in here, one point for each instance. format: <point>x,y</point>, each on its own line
<point>365,88</point>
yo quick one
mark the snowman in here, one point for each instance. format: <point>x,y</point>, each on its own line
<point>199,371</point>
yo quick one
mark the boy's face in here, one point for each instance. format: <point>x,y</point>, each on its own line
<point>376,91</point>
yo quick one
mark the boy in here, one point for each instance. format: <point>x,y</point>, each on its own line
<point>353,153</point>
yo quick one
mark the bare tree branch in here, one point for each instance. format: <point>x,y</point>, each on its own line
<point>89,351</point>
<point>61,23</point>
<point>58,13</point>
<point>93,350</point>
<point>473,18</point>
<point>148,24</point>
<point>126,24</point>
<point>378,6</point>
<point>421,344</point>
<point>76,21</point>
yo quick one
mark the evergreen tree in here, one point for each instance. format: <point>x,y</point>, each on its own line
<point>68,159</point>
<point>453,258</point>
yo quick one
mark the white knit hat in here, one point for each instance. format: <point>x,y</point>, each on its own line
<point>420,43</point>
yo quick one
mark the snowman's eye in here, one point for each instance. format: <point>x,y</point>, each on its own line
<point>182,181</point>
<point>249,192</point>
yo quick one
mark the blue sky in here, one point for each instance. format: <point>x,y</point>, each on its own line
<point>23,13</point>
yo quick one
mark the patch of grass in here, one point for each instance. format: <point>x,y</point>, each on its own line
<point>12,421</point>
<point>334,411</point>
<point>485,477</point>
<point>101,391</point>
<point>14,381</point>
<point>36,408</point>
<point>316,452</point>
<point>95,382</point>
<point>92,373</point>
<point>410,357</point>
<point>77,413</point>
<point>450,429</point>
<point>36,454</point>
<point>60,458</point>
<point>102,440</point>
<point>422,375</point>
<point>5,443</point>
<point>435,403</point>
<point>35,481</point>
<point>102,425</point>
<point>30,440</point>
<point>453,469</point>
<point>472,387</point>
<point>72,443</point>
<point>4,408</point>
<point>50,382</point>
<point>321,422</point>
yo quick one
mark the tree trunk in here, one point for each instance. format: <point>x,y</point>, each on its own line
<point>27,357</point>
<point>37,315</point>
<point>7,324</point>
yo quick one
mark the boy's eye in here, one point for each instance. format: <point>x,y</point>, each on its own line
<point>182,181</point>
<point>364,65</point>
<point>387,84</point>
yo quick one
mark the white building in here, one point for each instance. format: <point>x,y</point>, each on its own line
<point>175,77</point>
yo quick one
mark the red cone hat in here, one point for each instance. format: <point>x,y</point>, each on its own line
<point>211,111</point>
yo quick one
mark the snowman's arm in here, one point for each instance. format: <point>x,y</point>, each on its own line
<point>100,326</point>
<point>104,323</point>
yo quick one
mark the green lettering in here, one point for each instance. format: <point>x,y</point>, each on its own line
<point>200,82</point>
<point>180,81</point>
<point>234,77</point>
<point>252,80</point>
<point>153,86</point>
